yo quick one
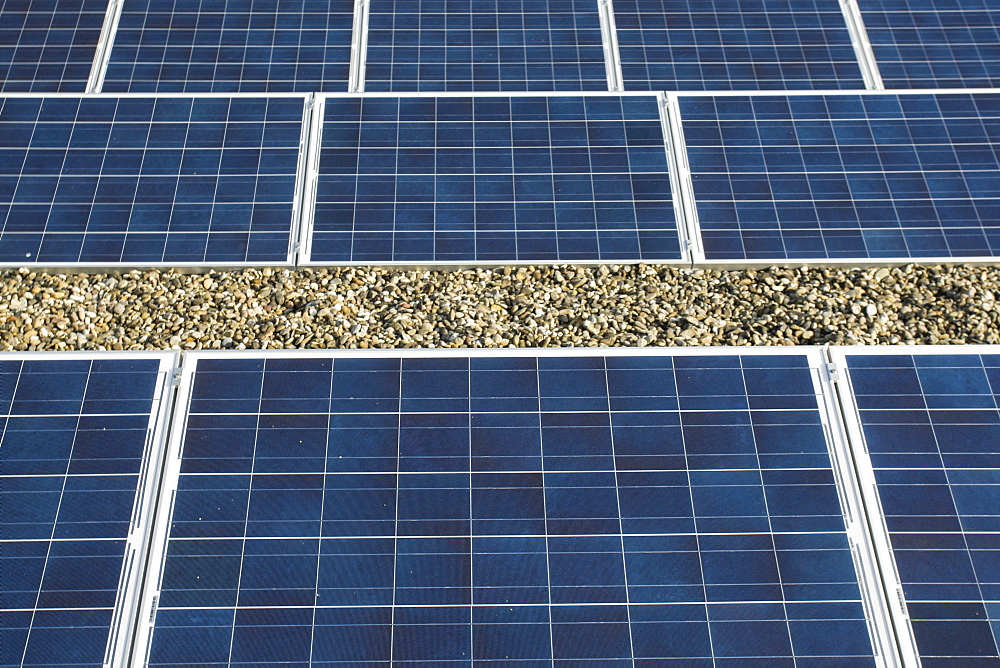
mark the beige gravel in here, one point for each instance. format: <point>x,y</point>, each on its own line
<point>630,305</point>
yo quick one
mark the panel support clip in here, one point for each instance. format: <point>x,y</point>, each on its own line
<point>831,372</point>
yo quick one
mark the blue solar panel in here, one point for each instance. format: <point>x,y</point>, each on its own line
<point>73,447</point>
<point>145,180</point>
<point>845,176</point>
<point>48,45</point>
<point>735,45</point>
<point>494,179</point>
<point>484,45</point>
<point>231,45</point>
<point>935,43</point>
<point>531,509</point>
<point>932,430</point>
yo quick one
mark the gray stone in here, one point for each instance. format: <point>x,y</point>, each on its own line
<point>620,305</point>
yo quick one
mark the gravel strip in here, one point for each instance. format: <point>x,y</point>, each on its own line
<point>630,305</point>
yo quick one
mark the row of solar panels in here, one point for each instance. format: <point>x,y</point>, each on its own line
<point>173,180</point>
<point>810,507</point>
<point>498,45</point>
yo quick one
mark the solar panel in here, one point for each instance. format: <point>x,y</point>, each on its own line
<point>147,180</point>
<point>231,45</point>
<point>493,179</point>
<point>935,43</point>
<point>734,45</point>
<point>484,45</point>
<point>323,508</point>
<point>48,45</point>
<point>928,420</point>
<point>77,434</point>
<point>845,176</point>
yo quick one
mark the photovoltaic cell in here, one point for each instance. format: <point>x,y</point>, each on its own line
<point>735,45</point>
<point>484,45</point>
<point>534,509</point>
<point>231,45</point>
<point>493,179</point>
<point>146,180</point>
<point>935,43</point>
<point>932,428</point>
<point>845,176</point>
<point>48,45</point>
<point>73,440</point>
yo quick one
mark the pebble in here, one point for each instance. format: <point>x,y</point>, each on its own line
<point>627,305</point>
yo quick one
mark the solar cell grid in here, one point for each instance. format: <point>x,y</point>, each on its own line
<point>845,176</point>
<point>930,425</point>
<point>450,509</point>
<point>48,45</point>
<point>484,45</point>
<point>492,179</point>
<point>734,45</point>
<point>73,447</point>
<point>148,180</point>
<point>231,46</point>
<point>935,43</point>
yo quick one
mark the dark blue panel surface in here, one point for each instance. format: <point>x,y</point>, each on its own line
<point>932,429</point>
<point>72,439</point>
<point>231,45</point>
<point>48,45</point>
<point>140,180</point>
<point>734,45</point>
<point>846,176</point>
<point>935,43</point>
<point>484,45</point>
<point>493,179</point>
<point>504,509</point>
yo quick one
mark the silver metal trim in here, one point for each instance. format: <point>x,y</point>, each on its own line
<point>820,92</point>
<point>105,42</point>
<point>149,484</point>
<point>359,47</point>
<point>862,45</point>
<point>310,180</point>
<point>172,94</point>
<point>166,486</point>
<point>855,262</point>
<point>300,204</point>
<point>856,521</point>
<point>449,265</point>
<point>191,357</point>
<point>685,205</point>
<point>493,93</point>
<point>609,37</point>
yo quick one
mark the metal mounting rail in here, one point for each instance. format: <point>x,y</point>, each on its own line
<point>609,36</point>
<point>681,185</point>
<point>105,42</point>
<point>862,45</point>
<point>359,47</point>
